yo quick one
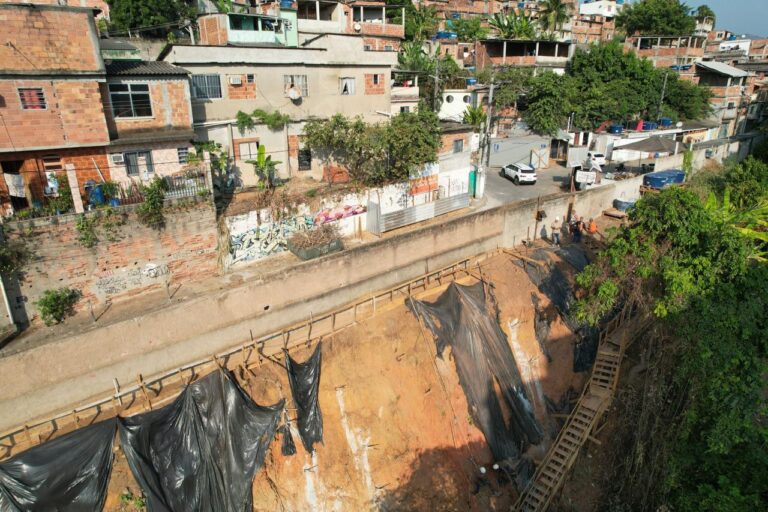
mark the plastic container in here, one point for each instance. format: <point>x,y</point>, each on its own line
<point>471,81</point>
<point>96,196</point>
<point>615,128</point>
<point>444,34</point>
<point>286,4</point>
<point>649,125</point>
<point>114,202</point>
<point>665,122</point>
<point>664,179</point>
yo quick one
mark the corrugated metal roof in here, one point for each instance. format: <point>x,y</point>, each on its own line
<point>143,68</point>
<point>115,44</point>
<point>722,68</point>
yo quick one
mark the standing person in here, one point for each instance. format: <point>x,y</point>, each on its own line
<point>556,226</point>
<point>578,229</point>
<point>592,227</point>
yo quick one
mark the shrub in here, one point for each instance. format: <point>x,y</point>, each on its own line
<point>56,305</point>
<point>316,237</point>
<point>150,212</point>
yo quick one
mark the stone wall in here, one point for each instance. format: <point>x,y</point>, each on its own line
<point>138,260</point>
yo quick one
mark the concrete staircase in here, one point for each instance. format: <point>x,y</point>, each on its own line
<point>596,398</point>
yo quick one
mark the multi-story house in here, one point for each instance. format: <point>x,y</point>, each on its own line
<point>248,62</point>
<point>595,21</point>
<point>67,113</point>
<point>539,55</point>
<point>679,53</point>
<point>731,92</point>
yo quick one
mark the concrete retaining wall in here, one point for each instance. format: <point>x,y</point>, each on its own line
<point>54,376</point>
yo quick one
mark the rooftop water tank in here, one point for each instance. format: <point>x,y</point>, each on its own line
<point>664,179</point>
<point>665,122</point>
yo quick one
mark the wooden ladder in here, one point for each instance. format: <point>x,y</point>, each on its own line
<point>597,396</point>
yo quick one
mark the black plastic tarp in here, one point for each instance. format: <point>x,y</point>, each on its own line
<point>305,385</point>
<point>460,318</point>
<point>201,452</point>
<point>68,474</point>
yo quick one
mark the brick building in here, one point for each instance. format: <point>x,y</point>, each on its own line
<point>731,92</point>
<point>679,53</point>
<point>545,55</point>
<point>66,114</point>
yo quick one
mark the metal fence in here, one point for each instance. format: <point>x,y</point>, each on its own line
<point>176,187</point>
<point>379,223</point>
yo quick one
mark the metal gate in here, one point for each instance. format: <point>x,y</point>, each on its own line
<point>378,223</point>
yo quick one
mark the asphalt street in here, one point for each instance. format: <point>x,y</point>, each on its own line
<point>500,189</point>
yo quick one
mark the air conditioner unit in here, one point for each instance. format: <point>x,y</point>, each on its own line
<point>117,158</point>
<point>235,80</point>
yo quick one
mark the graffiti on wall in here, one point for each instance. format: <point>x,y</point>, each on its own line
<point>121,280</point>
<point>265,239</point>
<point>337,213</point>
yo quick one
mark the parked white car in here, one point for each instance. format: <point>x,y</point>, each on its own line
<point>596,158</point>
<point>520,173</point>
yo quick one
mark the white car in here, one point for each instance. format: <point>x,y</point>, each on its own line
<point>596,158</point>
<point>520,173</point>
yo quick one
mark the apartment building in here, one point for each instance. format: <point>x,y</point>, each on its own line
<point>678,53</point>
<point>540,55</point>
<point>65,112</point>
<point>731,92</point>
<point>287,64</point>
<point>595,21</point>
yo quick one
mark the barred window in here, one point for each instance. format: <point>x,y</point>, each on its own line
<point>297,81</point>
<point>206,87</point>
<point>183,154</point>
<point>138,163</point>
<point>32,98</point>
<point>130,100</point>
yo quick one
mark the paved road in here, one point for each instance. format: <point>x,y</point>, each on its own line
<point>500,190</point>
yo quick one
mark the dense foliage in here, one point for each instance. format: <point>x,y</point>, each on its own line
<point>157,16</point>
<point>604,83</point>
<point>55,305</point>
<point>513,26</point>
<point>376,154</point>
<point>420,20</point>
<point>690,263</point>
<point>553,14</point>
<point>656,17</point>
<point>469,29</point>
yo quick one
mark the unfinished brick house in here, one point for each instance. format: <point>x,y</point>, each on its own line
<point>57,105</point>
<point>678,53</point>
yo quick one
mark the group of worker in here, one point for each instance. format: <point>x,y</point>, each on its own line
<point>576,227</point>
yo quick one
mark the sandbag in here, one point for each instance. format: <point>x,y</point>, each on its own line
<point>202,451</point>
<point>68,474</point>
<point>305,386</point>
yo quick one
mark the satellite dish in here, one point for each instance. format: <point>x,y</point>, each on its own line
<point>294,93</point>
<point>357,27</point>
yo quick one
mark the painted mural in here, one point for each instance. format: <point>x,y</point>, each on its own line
<point>265,239</point>
<point>327,215</point>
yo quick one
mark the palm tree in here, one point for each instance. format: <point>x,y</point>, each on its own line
<point>751,223</point>
<point>475,116</point>
<point>512,26</point>
<point>412,57</point>
<point>553,14</point>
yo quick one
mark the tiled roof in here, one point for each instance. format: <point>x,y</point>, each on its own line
<point>143,68</point>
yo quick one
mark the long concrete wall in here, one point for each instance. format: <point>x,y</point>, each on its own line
<point>53,377</point>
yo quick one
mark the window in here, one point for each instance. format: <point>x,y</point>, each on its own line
<point>296,81</point>
<point>731,105</point>
<point>250,78</point>
<point>130,100</point>
<point>467,99</point>
<point>32,99</point>
<point>138,163</point>
<point>248,150</point>
<point>458,146</point>
<point>305,159</point>
<point>388,48</point>
<point>367,47</point>
<point>205,87</point>
<point>183,154</point>
<point>405,110</point>
<point>449,98</point>
<point>376,79</point>
<point>347,86</point>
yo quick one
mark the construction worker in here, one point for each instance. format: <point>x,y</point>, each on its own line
<point>578,229</point>
<point>592,227</point>
<point>556,226</point>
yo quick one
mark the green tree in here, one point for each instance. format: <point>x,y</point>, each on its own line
<point>656,17</point>
<point>470,29</point>
<point>475,116</point>
<point>511,83</point>
<point>264,167</point>
<point>553,14</point>
<point>512,26</point>
<point>704,11</point>
<point>158,16</point>
<point>421,21</point>
<point>549,102</point>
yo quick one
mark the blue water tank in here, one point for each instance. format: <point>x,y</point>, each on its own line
<point>471,81</point>
<point>286,4</point>
<point>615,128</point>
<point>665,122</point>
<point>649,125</point>
<point>444,34</point>
<point>96,196</point>
<point>623,204</point>
<point>664,179</point>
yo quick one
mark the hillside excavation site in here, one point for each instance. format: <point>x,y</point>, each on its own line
<point>468,389</point>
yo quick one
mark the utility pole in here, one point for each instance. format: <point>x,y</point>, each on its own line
<point>488,122</point>
<point>437,83</point>
<point>663,92</point>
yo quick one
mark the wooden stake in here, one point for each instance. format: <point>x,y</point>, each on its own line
<point>143,387</point>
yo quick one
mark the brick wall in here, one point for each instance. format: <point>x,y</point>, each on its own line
<point>142,259</point>
<point>381,43</point>
<point>171,108</point>
<point>466,6</point>
<point>244,91</point>
<point>391,30</point>
<point>85,161</point>
<point>447,140</point>
<point>213,30</point>
<point>74,115</point>
<point>372,88</point>
<point>48,39</point>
